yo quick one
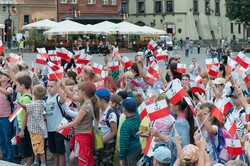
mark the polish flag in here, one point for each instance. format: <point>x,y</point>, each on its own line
<point>1,47</point>
<point>56,75</point>
<point>151,45</point>
<point>243,60</point>
<point>14,58</point>
<point>157,110</point>
<point>97,68</point>
<point>151,60</point>
<point>41,60</point>
<point>181,68</point>
<point>78,53</point>
<point>149,148</point>
<point>15,113</point>
<point>126,62</point>
<point>99,85</point>
<point>114,65</point>
<point>162,56</point>
<point>142,110</point>
<point>51,53</point>
<point>149,79</point>
<point>175,92</point>
<point>53,66</point>
<point>116,51</point>
<point>211,62</point>
<point>217,110</point>
<point>190,104</point>
<point>198,79</point>
<point>240,70</point>
<point>42,52</point>
<point>153,69</point>
<point>134,83</point>
<point>231,64</point>
<point>157,52</point>
<point>64,54</point>
<point>214,71</point>
<point>65,131</point>
<point>227,105</point>
<point>105,75</point>
<point>79,68</point>
<point>84,59</point>
<point>56,60</point>
<point>234,146</point>
<point>195,87</point>
<point>230,126</point>
<point>246,78</point>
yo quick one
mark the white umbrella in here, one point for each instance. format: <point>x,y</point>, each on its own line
<point>105,25</point>
<point>43,24</point>
<point>127,28</point>
<point>151,30</point>
<point>2,26</point>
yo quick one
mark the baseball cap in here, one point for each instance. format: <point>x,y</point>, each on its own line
<point>219,81</point>
<point>162,154</point>
<point>123,94</point>
<point>130,105</point>
<point>5,72</point>
<point>190,153</point>
<point>103,94</point>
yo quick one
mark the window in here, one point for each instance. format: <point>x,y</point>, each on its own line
<point>63,1</point>
<point>207,7</point>
<point>125,7</point>
<point>26,19</point>
<point>239,29</point>
<point>91,1</point>
<point>232,28</point>
<point>141,7</point>
<point>105,2</point>
<point>217,7</point>
<point>170,6</point>
<point>195,7</point>
<point>113,2</point>
<point>158,6</point>
<point>73,1</point>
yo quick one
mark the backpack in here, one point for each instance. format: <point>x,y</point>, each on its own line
<point>111,110</point>
<point>11,100</point>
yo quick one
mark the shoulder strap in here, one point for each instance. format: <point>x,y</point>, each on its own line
<point>242,111</point>
<point>8,96</point>
<point>59,105</point>
<point>27,95</point>
<point>215,151</point>
<point>107,116</point>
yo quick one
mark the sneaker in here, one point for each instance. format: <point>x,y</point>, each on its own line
<point>35,164</point>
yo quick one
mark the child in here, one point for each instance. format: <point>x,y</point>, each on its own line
<point>162,156</point>
<point>115,103</point>
<point>23,88</point>
<point>130,147</point>
<point>35,123</point>
<point>56,99</point>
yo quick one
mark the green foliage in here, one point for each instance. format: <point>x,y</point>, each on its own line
<point>238,11</point>
<point>111,39</point>
<point>36,38</point>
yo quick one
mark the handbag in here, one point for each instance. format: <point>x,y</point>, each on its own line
<point>97,134</point>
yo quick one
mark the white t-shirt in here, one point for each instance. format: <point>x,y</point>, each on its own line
<point>194,73</point>
<point>53,112</point>
<point>103,125</point>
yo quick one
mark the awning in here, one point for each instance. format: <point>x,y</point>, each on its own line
<point>94,19</point>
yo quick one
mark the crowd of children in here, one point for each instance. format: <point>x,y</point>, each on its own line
<point>139,121</point>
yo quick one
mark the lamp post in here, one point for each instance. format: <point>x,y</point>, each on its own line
<point>9,7</point>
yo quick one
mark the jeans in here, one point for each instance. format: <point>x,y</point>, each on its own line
<point>5,137</point>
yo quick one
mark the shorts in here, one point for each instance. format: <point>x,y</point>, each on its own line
<point>37,141</point>
<point>56,143</point>
<point>25,145</point>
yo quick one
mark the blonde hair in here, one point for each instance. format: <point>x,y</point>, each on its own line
<point>39,91</point>
<point>138,98</point>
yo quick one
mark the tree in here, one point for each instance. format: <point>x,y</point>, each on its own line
<point>238,11</point>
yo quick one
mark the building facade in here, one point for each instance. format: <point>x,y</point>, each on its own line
<point>90,11</point>
<point>193,19</point>
<point>33,10</point>
<point>8,17</point>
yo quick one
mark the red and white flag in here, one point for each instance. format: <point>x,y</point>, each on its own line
<point>153,70</point>
<point>64,54</point>
<point>99,85</point>
<point>97,68</point>
<point>42,52</point>
<point>190,104</point>
<point>56,60</point>
<point>142,110</point>
<point>149,148</point>
<point>41,60</point>
<point>198,79</point>
<point>84,59</point>
<point>1,47</point>
<point>149,79</point>
<point>51,53</point>
<point>211,62</point>
<point>227,105</point>
<point>56,75</point>
<point>14,58</point>
<point>231,64</point>
<point>151,45</point>
<point>78,53</point>
<point>115,51</point>
<point>246,78</point>
<point>162,56</point>
<point>65,131</point>
<point>157,52</point>
<point>230,126</point>
<point>151,60</point>
<point>105,75</point>
<point>15,113</point>
<point>217,110</point>
<point>243,60</point>
<point>53,66</point>
<point>195,87</point>
<point>79,68</point>
<point>181,68</point>
<point>175,92</point>
<point>157,110</point>
<point>134,83</point>
<point>113,65</point>
<point>214,71</point>
<point>234,146</point>
<point>127,63</point>
<point>240,70</point>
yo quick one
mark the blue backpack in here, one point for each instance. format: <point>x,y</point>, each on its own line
<point>111,110</point>
<point>12,99</point>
